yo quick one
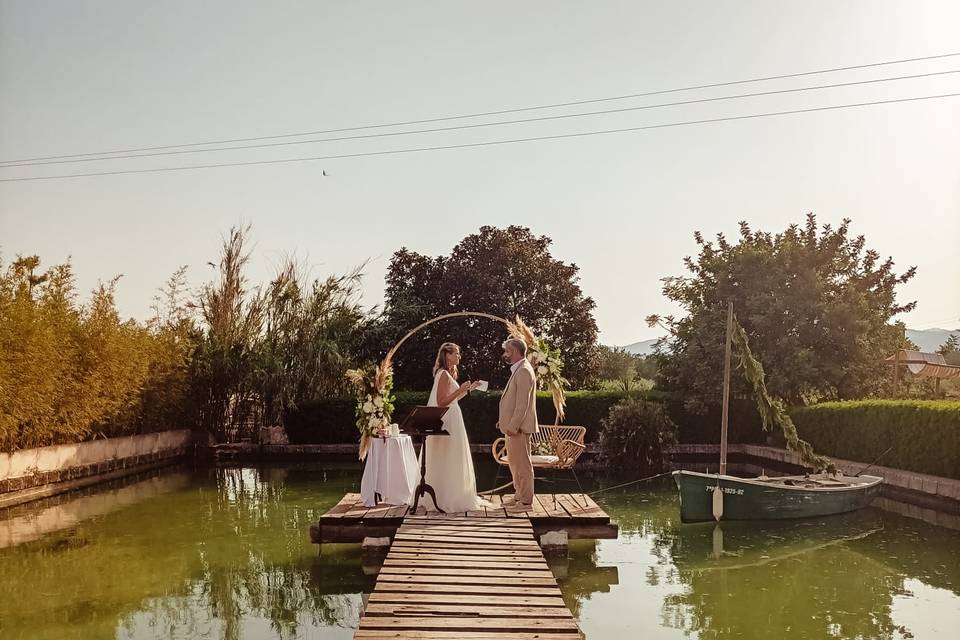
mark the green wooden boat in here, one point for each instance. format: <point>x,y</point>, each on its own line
<point>706,497</point>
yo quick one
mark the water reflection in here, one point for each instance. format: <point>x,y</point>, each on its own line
<point>737,545</point>
<point>32,521</point>
<point>224,553</point>
<point>820,590</point>
<point>849,576</point>
<point>582,574</point>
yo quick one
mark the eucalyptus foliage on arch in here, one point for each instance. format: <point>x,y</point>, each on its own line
<point>374,387</point>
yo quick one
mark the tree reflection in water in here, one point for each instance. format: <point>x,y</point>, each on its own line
<point>224,553</point>
<point>252,567</point>
<point>835,577</point>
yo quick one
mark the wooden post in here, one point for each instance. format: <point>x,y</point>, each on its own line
<point>726,391</point>
<point>896,371</point>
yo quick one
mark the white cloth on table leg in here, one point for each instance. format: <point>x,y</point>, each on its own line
<point>391,470</point>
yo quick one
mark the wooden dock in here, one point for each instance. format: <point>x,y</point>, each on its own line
<point>575,513</point>
<point>465,576</point>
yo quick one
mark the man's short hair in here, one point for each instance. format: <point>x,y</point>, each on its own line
<point>516,343</point>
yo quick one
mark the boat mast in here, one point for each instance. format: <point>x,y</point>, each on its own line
<point>726,391</point>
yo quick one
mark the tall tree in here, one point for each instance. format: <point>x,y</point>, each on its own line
<point>310,338</point>
<point>224,364</point>
<point>506,272</point>
<point>950,350</point>
<point>817,307</point>
<point>264,350</point>
<point>618,366</point>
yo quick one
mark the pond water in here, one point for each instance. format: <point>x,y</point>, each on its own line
<point>224,553</point>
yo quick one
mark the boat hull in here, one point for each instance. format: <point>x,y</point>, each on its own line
<point>752,499</point>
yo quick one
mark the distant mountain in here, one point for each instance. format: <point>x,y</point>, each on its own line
<point>930,339</point>
<point>642,348</point>
<point>927,339</point>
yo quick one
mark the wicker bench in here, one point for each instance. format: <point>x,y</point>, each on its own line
<point>552,447</point>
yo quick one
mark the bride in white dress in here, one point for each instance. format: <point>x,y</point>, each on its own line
<point>449,464</point>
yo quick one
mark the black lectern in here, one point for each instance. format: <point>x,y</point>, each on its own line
<point>423,422</point>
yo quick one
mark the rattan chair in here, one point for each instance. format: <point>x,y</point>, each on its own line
<point>552,447</point>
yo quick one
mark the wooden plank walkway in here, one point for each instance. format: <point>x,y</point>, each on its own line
<point>576,513</point>
<point>463,577</point>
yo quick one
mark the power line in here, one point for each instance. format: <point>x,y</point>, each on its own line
<point>934,324</point>
<point>488,124</point>
<point>487,143</point>
<point>495,113</point>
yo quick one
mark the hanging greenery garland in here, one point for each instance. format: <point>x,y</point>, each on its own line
<point>771,409</point>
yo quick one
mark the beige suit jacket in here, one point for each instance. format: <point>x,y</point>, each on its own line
<point>518,405</point>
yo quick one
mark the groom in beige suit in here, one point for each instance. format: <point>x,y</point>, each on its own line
<point>518,418</point>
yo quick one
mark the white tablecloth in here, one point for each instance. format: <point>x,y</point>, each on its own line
<point>391,470</point>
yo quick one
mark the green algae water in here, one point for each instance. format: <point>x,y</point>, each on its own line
<point>224,553</point>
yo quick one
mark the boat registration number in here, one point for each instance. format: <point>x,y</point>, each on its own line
<point>729,490</point>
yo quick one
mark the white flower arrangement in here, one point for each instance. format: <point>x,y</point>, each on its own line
<point>374,401</point>
<point>548,364</point>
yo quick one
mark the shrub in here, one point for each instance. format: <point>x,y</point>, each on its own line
<point>634,434</point>
<point>924,434</point>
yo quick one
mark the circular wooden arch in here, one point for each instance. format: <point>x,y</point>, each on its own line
<point>388,360</point>
<point>516,328</point>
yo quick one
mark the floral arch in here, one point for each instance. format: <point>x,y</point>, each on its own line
<point>374,388</point>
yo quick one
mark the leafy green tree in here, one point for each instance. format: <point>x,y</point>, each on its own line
<point>950,350</point>
<point>816,305</point>
<point>647,368</point>
<point>618,366</point>
<point>626,371</point>
<point>506,272</point>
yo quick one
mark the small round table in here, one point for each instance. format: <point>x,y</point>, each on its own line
<point>390,472</point>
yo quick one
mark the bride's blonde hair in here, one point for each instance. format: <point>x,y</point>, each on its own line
<point>441,361</point>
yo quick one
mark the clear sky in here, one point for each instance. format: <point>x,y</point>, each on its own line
<point>89,76</point>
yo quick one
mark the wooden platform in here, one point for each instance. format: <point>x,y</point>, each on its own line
<point>461,577</point>
<point>575,513</point>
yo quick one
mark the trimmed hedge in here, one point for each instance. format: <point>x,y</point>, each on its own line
<point>924,434</point>
<point>332,421</point>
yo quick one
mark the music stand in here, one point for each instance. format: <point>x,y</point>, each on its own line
<point>423,422</point>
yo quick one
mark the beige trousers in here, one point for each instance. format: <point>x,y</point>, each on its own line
<point>521,469</point>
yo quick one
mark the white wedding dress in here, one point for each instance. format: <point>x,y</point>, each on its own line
<point>449,463</point>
